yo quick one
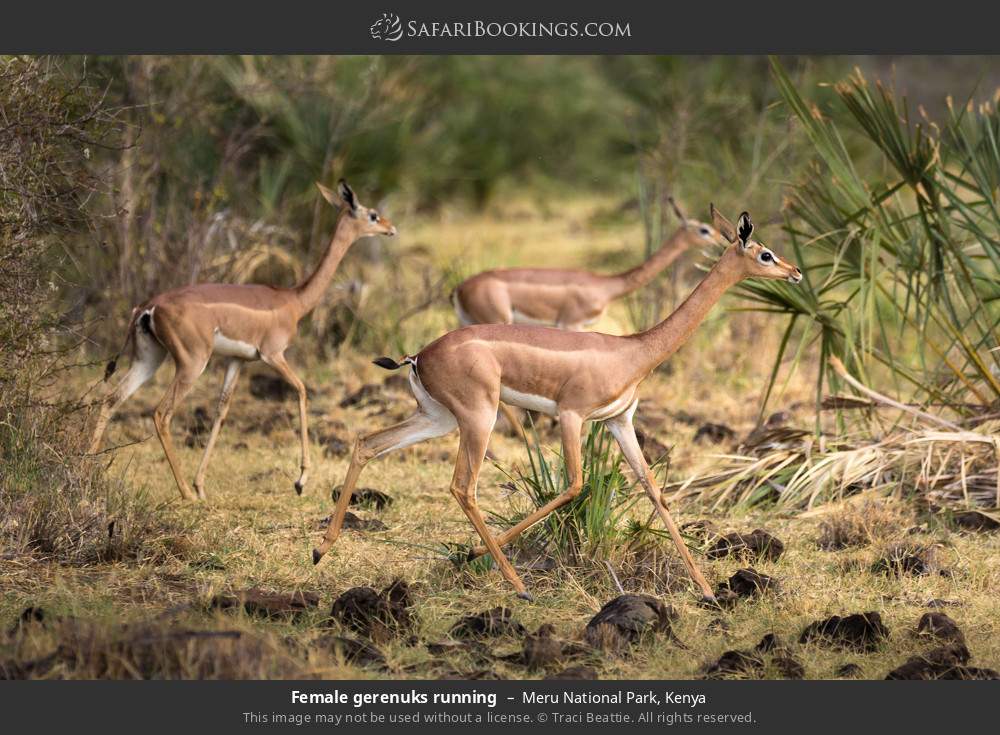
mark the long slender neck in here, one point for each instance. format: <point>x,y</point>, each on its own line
<point>311,290</point>
<point>635,278</point>
<point>662,340</point>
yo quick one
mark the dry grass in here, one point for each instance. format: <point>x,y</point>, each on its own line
<point>255,532</point>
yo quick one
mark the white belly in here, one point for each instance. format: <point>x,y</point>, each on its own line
<point>528,401</point>
<point>223,345</point>
<point>520,318</point>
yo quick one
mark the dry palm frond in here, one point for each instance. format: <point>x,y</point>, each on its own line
<point>947,467</point>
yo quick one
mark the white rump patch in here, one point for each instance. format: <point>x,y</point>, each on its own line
<point>463,316</point>
<point>223,345</point>
<point>528,401</point>
<point>432,421</point>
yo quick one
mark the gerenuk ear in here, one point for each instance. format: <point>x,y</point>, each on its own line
<point>744,229</point>
<point>347,195</point>
<point>677,210</point>
<point>330,195</point>
<point>723,225</point>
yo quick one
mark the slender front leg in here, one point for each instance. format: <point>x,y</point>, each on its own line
<point>623,431</point>
<point>225,398</point>
<point>278,363</point>
<point>571,426</point>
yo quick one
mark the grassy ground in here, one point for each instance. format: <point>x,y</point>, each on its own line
<point>255,532</point>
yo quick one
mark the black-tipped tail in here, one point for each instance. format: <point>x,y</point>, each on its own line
<point>316,556</point>
<point>109,369</point>
<point>388,363</point>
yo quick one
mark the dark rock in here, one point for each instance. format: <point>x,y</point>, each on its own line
<point>946,662</point>
<point>768,643</point>
<point>273,605</point>
<point>744,584</point>
<point>29,618</point>
<point>352,651</point>
<point>972,520</point>
<point>906,560</point>
<point>36,668</point>
<point>366,497</point>
<point>270,388</point>
<point>496,622</point>
<point>381,616</point>
<point>939,626</point>
<point>756,546</point>
<point>715,433</point>
<point>743,664</point>
<point>949,654</point>
<point>625,619</point>
<point>860,631</point>
<point>788,667</point>
<point>574,673</point>
<point>399,593</point>
<point>363,396</point>
<point>848,671</point>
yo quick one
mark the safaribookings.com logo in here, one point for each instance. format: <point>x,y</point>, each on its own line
<point>390,28</point>
<point>387,28</point>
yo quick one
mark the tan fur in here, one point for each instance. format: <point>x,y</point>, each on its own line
<point>581,375</point>
<point>566,298</point>
<point>244,322</point>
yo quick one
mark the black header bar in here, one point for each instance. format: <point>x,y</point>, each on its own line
<point>507,27</point>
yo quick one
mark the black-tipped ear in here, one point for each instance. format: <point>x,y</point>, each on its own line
<point>347,195</point>
<point>744,229</point>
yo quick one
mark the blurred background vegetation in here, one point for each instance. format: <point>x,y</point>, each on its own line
<point>183,169</point>
<point>124,176</point>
